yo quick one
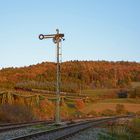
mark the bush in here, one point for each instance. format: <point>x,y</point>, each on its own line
<point>122,94</point>
<point>135,126</point>
<point>16,113</point>
<point>138,113</point>
<point>135,93</point>
<point>47,109</point>
<point>79,104</point>
<point>130,113</point>
<point>107,112</point>
<point>120,109</point>
<point>79,114</point>
<point>92,113</point>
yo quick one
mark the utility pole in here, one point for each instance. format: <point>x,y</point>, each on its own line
<point>57,38</point>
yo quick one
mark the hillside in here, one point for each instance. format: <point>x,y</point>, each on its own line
<point>74,74</point>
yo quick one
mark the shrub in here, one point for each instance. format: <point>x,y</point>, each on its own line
<point>47,109</point>
<point>107,112</point>
<point>135,93</point>
<point>130,113</point>
<point>135,126</point>
<point>138,113</point>
<point>132,94</point>
<point>79,104</point>
<point>122,94</point>
<point>16,113</point>
<point>120,109</point>
<point>93,113</point>
<point>79,114</point>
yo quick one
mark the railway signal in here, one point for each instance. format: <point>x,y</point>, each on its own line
<point>57,38</point>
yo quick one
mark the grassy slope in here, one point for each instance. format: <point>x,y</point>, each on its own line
<point>135,84</point>
<point>98,92</point>
<point>99,107</point>
<point>131,105</point>
<point>100,104</point>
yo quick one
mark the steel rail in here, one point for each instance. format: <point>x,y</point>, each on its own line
<point>13,126</point>
<point>66,131</point>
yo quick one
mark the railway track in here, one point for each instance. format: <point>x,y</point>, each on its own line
<point>13,126</point>
<point>67,130</point>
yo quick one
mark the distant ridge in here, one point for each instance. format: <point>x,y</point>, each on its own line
<point>75,74</point>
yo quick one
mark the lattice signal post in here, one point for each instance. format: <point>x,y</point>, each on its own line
<point>57,38</point>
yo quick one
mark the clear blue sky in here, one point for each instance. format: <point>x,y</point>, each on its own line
<point>94,30</point>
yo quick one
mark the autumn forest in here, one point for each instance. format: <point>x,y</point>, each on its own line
<point>74,74</point>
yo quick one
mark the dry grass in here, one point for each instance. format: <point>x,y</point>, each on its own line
<point>135,84</point>
<point>16,113</point>
<point>99,107</point>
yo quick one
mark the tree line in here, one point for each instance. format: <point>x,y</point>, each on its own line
<point>74,74</point>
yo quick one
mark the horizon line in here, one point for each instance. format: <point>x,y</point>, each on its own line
<point>115,61</point>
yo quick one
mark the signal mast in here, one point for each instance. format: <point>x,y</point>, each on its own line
<point>57,38</point>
